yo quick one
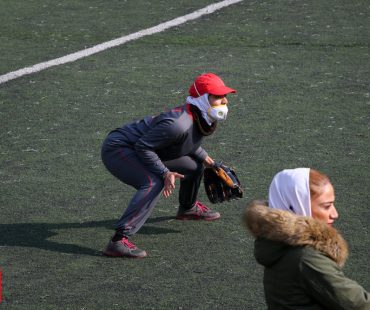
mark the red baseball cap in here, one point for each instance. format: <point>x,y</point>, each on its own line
<point>209,83</point>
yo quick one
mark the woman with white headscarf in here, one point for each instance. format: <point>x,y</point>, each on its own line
<point>302,253</point>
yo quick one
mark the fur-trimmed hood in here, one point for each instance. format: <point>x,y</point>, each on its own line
<point>289,229</point>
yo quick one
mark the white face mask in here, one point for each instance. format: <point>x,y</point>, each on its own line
<point>218,113</point>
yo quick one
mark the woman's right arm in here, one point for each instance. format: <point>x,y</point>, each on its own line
<point>326,283</point>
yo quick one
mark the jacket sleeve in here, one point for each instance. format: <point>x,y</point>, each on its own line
<point>160,136</point>
<point>200,154</point>
<point>326,282</point>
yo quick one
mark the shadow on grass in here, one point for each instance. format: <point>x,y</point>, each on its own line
<point>36,235</point>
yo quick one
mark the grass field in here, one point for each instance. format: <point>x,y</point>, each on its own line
<point>302,72</point>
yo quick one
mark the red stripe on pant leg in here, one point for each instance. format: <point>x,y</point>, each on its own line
<point>135,216</point>
<point>123,156</point>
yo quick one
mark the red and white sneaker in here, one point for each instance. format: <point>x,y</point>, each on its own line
<point>123,248</point>
<point>198,212</point>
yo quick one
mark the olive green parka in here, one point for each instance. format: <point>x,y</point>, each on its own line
<point>303,260</point>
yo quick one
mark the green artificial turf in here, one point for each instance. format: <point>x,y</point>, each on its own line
<point>302,71</point>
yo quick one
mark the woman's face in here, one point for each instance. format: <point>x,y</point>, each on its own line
<point>217,100</point>
<point>322,206</point>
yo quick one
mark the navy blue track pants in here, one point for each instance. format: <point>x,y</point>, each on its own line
<point>124,164</point>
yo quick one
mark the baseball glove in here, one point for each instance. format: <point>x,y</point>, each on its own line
<point>221,183</point>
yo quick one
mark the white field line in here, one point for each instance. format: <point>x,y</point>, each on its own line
<point>116,42</point>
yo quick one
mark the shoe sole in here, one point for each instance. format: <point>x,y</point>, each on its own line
<point>111,254</point>
<point>196,218</point>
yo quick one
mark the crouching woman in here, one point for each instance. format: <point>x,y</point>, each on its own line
<point>302,254</point>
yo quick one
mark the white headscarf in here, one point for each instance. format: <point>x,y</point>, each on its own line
<point>290,191</point>
<point>203,105</point>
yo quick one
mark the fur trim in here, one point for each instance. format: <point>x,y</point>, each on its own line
<point>295,230</point>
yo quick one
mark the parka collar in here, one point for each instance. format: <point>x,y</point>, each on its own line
<point>294,230</point>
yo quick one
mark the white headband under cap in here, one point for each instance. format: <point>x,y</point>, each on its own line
<point>203,105</point>
<point>290,191</point>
